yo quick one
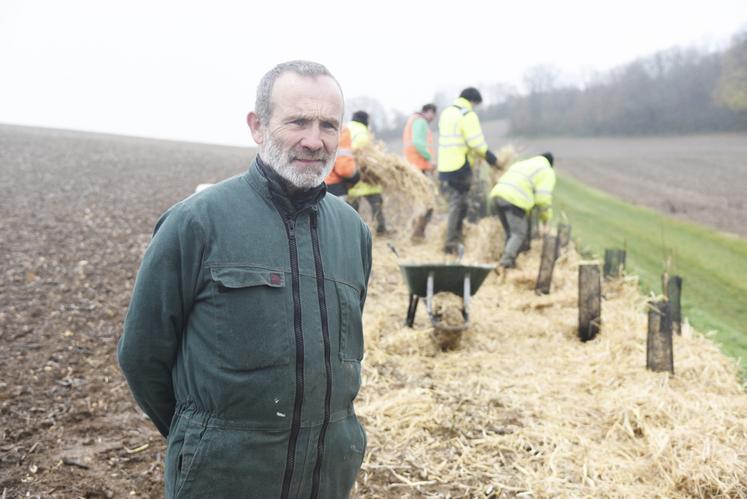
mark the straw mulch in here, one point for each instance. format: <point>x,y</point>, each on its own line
<point>379,166</point>
<point>522,408</point>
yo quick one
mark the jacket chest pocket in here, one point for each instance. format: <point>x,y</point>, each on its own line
<point>351,323</point>
<point>253,317</point>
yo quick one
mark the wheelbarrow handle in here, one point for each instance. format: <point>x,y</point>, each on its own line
<point>429,294</point>
<point>467,295</point>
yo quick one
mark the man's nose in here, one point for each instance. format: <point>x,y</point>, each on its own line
<point>312,138</point>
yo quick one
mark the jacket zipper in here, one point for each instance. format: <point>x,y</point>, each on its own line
<point>290,225</point>
<point>327,354</point>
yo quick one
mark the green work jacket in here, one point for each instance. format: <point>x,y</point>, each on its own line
<point>243,342</point>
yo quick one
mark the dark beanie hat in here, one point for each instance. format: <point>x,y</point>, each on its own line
<point>471,94</point>
<point>361,117</point>
<point>548,156</point>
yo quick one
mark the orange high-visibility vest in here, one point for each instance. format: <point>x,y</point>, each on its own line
<point>344,162</point>
<point>411,153</point>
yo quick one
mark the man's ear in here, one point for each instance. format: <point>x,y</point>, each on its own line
<point>256,127</point>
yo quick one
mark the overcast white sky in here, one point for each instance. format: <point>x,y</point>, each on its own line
<point>188,70</point>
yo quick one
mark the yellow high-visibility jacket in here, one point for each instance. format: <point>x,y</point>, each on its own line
<point>527,184</point>
<point>359,137</point>
<point>459,135</point>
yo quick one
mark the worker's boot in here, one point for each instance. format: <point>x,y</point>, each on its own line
<point>419,225</point>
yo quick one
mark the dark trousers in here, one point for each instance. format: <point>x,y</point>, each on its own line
<point>515,225</point>
<point>456,191</point>
<point>376,202</point>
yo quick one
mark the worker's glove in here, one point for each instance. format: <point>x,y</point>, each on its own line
<point>545,214</point>
<point>491,158</point>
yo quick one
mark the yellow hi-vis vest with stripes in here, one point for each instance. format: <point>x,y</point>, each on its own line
<point>459,134</point>
<point>527,184</point>
<point>358,138</point>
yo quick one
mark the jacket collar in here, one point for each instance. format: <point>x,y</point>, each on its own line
<point>463,103</point>
<point>275,189</point>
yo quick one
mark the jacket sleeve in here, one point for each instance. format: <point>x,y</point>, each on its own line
<point>367,249</point>
<point>420,138</point>
<point>472,133</point>
<point>543,189</point>
<point>345,167</point>
<point>162,298</point>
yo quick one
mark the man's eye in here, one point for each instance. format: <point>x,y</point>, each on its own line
<point>299,122</point>
<point>329,126</point>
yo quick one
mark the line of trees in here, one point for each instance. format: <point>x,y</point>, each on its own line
<point>673,91</point>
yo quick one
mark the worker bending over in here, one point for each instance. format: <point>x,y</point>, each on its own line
<point>344,174</point>
<point>359,137</point>
<point>527,184</point>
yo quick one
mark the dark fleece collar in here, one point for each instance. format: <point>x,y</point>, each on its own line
<point>288,198</point>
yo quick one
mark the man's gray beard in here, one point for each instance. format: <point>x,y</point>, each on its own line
<point>307,177</point>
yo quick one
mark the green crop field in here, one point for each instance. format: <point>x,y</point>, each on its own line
<point>713,265</point>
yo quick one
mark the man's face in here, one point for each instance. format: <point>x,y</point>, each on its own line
<point>429,115</point>
<point>301,138</point>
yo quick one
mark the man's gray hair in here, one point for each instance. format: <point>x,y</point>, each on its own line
<point>263,104</point>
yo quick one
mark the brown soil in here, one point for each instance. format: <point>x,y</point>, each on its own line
<point>76,213</point>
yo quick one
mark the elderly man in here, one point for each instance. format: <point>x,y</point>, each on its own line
<point>243,340</point>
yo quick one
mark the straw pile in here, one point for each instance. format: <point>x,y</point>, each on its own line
<point>522,408</point>
<point>506,157</point>
<point>394,173</point>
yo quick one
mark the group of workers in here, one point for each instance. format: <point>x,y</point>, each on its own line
<point>525,186</point>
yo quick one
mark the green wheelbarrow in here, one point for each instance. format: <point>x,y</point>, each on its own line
<point>427,279</point>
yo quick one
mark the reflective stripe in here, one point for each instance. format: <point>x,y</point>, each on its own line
<point>531,175</point>
<point>454,136</point>
<point>538,191</point>
<point>475,136</point>
<point>537,172</point>
<point>478,146</point>
<point>519,190</point>
<point>451,142</point>
<point>447,146</point>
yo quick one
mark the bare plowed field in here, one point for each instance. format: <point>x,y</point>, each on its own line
<point>700,178</point>
<point>75,216</point>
